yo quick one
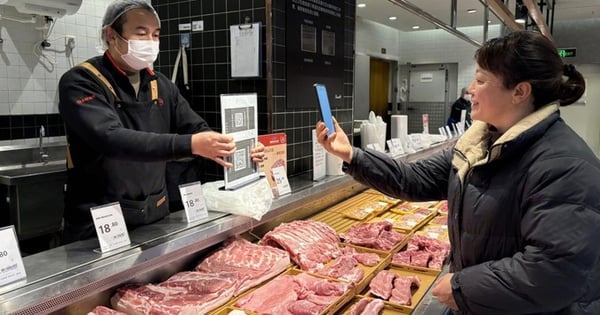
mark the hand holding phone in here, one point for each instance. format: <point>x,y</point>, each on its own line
<point>324,107</point>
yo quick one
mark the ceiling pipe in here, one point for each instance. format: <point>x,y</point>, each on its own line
<point>537,17</point>
<point>433,20</point>
<point>504,14</point>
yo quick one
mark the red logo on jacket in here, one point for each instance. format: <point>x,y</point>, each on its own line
<point>85,99</point>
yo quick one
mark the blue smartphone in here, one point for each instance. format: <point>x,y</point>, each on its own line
<point>324,107</point>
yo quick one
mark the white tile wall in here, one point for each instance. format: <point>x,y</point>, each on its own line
<point>28,82</point>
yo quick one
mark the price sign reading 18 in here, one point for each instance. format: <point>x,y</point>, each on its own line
<point>192,198</point>
<point>110,226</point>
<point>11,263</point>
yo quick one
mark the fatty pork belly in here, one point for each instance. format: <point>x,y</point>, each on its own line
<point>308,242</point>
<point>184,293</point>
<point>253,263</point>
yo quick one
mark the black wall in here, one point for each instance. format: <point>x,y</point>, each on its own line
<point>209,59</point>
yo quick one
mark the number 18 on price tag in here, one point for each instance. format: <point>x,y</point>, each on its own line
<point>192,198</point>
<point>11,263</point>
<point>110,226</point>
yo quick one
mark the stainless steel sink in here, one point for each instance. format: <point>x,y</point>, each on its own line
<point>32,180</point>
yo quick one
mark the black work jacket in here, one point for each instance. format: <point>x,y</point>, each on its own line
<point>524,214</point>
<point>119,145</point>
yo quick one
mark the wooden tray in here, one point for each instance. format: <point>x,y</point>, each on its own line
<point>369,271</point>
<point>339,222</point>
<point>395,218</point>
<point>329,310</point>
<point>427,281</point>
<point>424,270</point>
<point>387,309</point>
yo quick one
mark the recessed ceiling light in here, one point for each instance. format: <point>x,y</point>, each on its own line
<point>471,11</point>
<point>520,21</point>
<point>361,5</point>
<point>393,18</point>
<point>416,27</point>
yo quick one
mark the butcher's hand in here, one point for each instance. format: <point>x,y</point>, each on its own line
<point>337,143</point>
<point>443,291</point>
<point>258,153</point>
<point>214,146</point>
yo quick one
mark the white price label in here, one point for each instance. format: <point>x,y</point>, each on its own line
<point>415,139</point>
<point>193,201</point>
<point>11,263</point>
<point>283,185</point>
<point>110,226</point>
<point>397,145</point>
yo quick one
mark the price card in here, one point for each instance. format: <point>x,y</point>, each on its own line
<point>415,140</point>
<point>11,263</point>
<point>283,185</point>
<point>378,147</point>
<point>110,226</point>
<point>193,201</point>
<point>396,146</point>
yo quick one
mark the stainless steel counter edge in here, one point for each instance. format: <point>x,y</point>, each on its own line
<point>157,258</point>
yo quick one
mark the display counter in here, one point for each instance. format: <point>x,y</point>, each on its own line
<point>72,279</point>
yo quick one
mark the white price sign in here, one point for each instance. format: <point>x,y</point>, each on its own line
<point>395,146</point>
<point>193,201</point>
<point>110,226</point>
<point>11,263</point>
<point>283,185</point>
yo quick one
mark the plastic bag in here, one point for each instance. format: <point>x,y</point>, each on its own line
<point>253,200</point>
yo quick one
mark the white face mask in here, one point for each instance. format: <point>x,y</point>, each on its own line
<point>140,54</point>
<point>467,97</point>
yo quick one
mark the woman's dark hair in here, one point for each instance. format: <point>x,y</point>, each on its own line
<point>527,56</point>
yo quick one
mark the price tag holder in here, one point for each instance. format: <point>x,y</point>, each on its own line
<point>193,201</point>
<point>397,146</point>
<point>110,226</point>
<point>11,263</point>
<point>415,140</point>
<point>283,185</point>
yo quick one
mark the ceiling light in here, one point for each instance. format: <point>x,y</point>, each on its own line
<point>361,5</point>
<point>471,11</point>
<point>520,21</point>
<point>393,18</point>
<point>416,27</point>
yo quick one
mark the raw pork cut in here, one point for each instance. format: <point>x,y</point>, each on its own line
<point>309,243</point>
<point>282,295</point>
<point>253,263</point>
<point>103,310</point>
<point>183,293</point>
<point>378,235</point>
<point>382,284</point>
<point>401,294</point>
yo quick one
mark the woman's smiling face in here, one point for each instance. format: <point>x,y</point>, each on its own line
<point>491,102</point>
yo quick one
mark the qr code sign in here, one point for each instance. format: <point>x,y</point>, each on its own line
<point>239,160</point>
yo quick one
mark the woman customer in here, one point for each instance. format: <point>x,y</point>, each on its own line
<point>522,188</point>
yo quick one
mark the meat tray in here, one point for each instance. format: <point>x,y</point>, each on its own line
<point>424,270</point>
<point>369,271</point>
<point>332,309</point>
<point>361,199</point>
<point>405,222</point>
<point>387,309</point>
<point>426,279</point>
<point>339,222</point>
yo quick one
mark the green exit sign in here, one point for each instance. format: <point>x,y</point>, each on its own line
<point>567,52</point>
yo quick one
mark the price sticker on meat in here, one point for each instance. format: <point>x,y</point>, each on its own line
<point>193,201</point>
<point>110,227</point>
<point>11,263</point>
